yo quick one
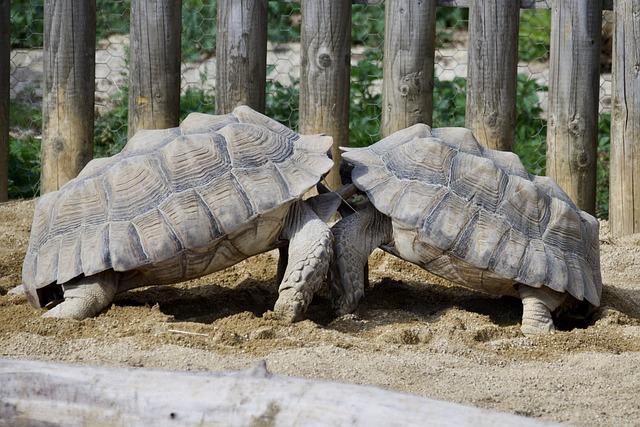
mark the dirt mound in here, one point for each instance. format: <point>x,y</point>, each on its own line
<point>413,332</point>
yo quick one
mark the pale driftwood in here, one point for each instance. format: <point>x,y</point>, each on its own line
<point>409,45</point>
<point>55,394</point>
<point>5,52</point>
<point>154,78</point>
<point>69,87</point>
<point>241,51</point>
<point>493,63</point>
<point>624,196</point>
<point>574,83</point>
<point>325,67</point>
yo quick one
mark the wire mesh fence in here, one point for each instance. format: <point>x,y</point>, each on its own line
<point>283,75</point>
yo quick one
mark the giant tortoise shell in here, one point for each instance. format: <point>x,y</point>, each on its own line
<point>474,216</point>
<point>175,204</point>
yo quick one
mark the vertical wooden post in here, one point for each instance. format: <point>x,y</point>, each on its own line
<point>325,68</point>
<point>409,46</point>
<point>574,84</point>
<point>154,79</point>
<point>492,72</point>
<point>241,54</point>
<point>69,87</point>
<point>5,51</point>
<point>624,189</point>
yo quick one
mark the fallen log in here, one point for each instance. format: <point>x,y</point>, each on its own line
<point>51,394</point>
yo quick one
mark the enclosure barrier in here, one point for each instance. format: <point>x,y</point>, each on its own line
<point>68,93</point>
<point>409,55</point>
<point>624,192</point>
<point>324,74</point>
<point>572,124</point>
<point>241,54</point>
<point>407,83</point>
<point>492,72</point>
<point>154,75</point>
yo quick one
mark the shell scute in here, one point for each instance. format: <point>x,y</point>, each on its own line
<point>440,227</point>
<point>478,180</point>
<point>156,236</point>
<point>134,186</point>
<point>191,220</point>
<point>194,160</point>
<point>227,201</point>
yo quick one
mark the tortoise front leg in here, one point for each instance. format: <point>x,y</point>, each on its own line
<point>283,260</point>
<point>537,305</point>
<point>310,252</point>
<point>356,236</point>
<point>86,297</point>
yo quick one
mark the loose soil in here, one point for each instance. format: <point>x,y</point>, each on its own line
<point>413,332</point>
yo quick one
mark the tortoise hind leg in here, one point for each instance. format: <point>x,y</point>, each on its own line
<point>309,254</point>
<point>537,305</point>
<point>86,297</point>
<point>356,236</point>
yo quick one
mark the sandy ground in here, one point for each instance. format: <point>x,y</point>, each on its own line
<point>413,332</point>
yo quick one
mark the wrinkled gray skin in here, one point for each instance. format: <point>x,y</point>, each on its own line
<point>472,215</point>
<point>181,203</point>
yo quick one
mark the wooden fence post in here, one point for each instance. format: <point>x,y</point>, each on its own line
<point>154,77</point>
<point>624,192</point>
<point>409,46</point>
<point>241,54</point>
<point>325,68</point>
<point>69,87</point>
<point>492,72</point>
<point>5,52</point>
<point>574,84</point>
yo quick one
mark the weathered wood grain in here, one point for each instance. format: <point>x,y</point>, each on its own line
<point>524,4</point>
<point>154,77</point>
<point>574,84</point>
<point>624,195</point>
<point>5,52</point>
<point>241,51</point>
<point>69,86</point>
<point>493,64</point>
<point>409,46</point>
<point>39,393</point>
<point>325,67</point>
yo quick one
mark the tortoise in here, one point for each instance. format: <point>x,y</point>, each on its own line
<point>469,214</point>
<point>181,203</point>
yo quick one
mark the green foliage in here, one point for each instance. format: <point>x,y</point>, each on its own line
<point>24,167</point>
<point>365,103</point>
<point>284,21</point>
<point>198,100</point>
<point>535,35</point>
<point>198,29</point>
<point>367,25</point>
<point>112,17</point>
<point>531,129</point>
<point>24,150</point>
<point>602,174</point>
<point>282,103</point>
<point>449,102</point>
<point>110,130</point>
<point>26,23</point>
